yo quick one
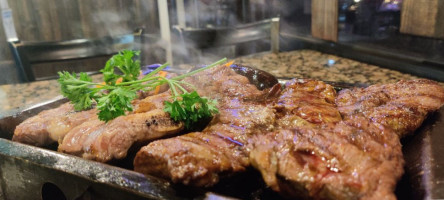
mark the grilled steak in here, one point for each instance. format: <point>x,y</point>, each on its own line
<point>201,158</point>
<point>96,140</point>
<point>104,142</point>
<point>358,157</point>
<point>305,141</point>
<point>50,126</point>
<point>306,102</point>
<point>401,106</point>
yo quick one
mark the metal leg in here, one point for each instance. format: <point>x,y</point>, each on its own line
<point>165,31</point>
<point>180,8</point>
<point>274,32</point>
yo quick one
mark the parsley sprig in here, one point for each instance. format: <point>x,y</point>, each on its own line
<point>114,98</point>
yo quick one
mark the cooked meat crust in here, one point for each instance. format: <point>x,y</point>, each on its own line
<point>306,141</point>
<point>202,158</point>
<point>303,142</point>
<point>358,157</point>
<point>401,106</point>
<point>50,126</point>
<point>96,140</point>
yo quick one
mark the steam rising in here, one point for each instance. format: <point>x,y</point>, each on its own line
<point>219,14</point>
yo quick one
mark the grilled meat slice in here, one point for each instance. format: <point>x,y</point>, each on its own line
<point>198,159</point>
<point>306,102</point>
<point>111,141</point>
<point>402,106</point>
<point>358,157</point>
<point>151,102</point>
<point>202,158</point>
<point>50,126</point>
<point>96,140</point>
<point>322,164</point>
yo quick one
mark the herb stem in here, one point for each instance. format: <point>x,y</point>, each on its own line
<point>201,69</point>
<point>157,69</point>
<point>180,87</point>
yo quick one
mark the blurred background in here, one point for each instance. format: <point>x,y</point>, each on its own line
<point>405,35</point>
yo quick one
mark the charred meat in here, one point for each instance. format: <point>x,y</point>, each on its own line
<point>96,140</point>
<point>202,158</point>
<point>401,106</point>
<point>358,157</point>
<point>103,142</point>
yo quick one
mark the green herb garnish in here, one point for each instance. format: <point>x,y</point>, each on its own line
<point>114,98</point>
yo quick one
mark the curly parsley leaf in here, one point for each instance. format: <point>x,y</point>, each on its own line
<point>123,61</point>
<point>115,104</point>
<point>114,99</point>
<point>191,108</point>
<point>76,89</point>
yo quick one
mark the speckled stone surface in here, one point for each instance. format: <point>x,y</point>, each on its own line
<point>317,65</point>
<point>294,64</point>
<point>16,96</point>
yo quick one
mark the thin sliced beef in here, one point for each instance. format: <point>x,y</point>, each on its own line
<point>202,158</point>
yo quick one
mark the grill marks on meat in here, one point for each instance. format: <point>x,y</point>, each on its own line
<point>306,143</point>
<point>306,102</point>
<point>401,106</point>
<point>96,140</point>
<point>300,158</point>
<point>202,158</point>
<point>358,157</point>
<point>322,163</point>
<point>112,140</point>
<point>50,126</point>
<point>198,158</point>
<point>104,142</point>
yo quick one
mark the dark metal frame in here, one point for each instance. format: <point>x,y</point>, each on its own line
<point>28,53</point>
<point>203,38</point>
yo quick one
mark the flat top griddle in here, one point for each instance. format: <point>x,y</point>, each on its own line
<point>28,172</point>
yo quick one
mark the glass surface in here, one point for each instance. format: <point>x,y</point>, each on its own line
<point>376,24</point>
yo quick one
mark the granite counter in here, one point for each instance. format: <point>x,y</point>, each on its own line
<point>297,64</point>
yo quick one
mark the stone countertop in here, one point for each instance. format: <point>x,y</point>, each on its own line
<point>294,64</point>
